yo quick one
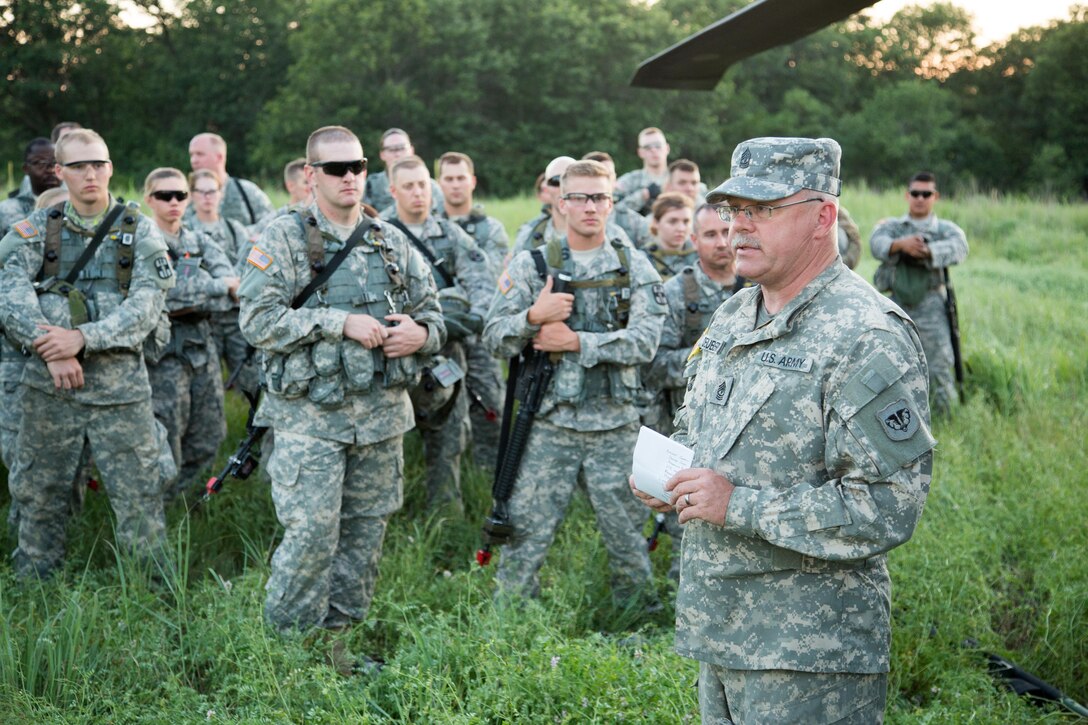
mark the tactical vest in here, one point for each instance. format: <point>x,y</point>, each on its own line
<point>328,370</point>
<point>111,263</point>
<point>697,311</point>
<point>443,249</point>
<point>477,226</point>
<point>660,256</point>
<point>572,382</point>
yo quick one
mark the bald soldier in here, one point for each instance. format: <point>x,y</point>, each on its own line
<point>241,199</point>
<point>808,415</point>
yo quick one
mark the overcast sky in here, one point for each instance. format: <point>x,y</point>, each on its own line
<point>994,19</point>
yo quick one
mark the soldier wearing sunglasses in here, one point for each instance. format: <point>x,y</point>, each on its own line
<point>84,324</point>
<point>338,359</point>
<point>915,252</point>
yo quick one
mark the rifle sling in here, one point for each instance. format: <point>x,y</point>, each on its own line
<point>96,242</point>
<point>327,271</point>
<point>435,263</point>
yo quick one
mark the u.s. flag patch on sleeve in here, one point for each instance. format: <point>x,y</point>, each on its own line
<point>505,282</point>
<point>259,259</point>
<point>25,229</point>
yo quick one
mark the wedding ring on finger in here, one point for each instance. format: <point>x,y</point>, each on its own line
<point>687,499</point>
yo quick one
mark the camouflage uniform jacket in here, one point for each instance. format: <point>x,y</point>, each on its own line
<point>231,236</point>
<point>669,262</point>
<point>666,372</point>
<point>947,242</point>
<point>458,255</point>
<point>377,193</point>
<point>279,271</point>
<point>113,366</point>
<point>200,266</point>
<point>820,419</point>
<point>630,185</point>
<point>488,233</point>
<point>615,350</point>
<point>633,224</point>
<point>16,208</point>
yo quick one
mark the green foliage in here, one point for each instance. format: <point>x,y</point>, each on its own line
<point>996,559</point>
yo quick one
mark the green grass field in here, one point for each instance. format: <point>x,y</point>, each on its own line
<point>999,558</point>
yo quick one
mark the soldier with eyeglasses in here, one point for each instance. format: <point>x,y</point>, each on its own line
<point>807,411</point>
<point>39,165</point>
<point>601,332</point>
<point>915,252</point>
<point>394,145</point>
<point>639,188</point>
<point>82,322</point>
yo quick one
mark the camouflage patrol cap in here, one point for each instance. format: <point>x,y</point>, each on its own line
<point>769,168</point>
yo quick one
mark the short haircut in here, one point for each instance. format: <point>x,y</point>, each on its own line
<point>923,176</point>
<point>699,210</point>
<point>456,157</point>
<point>670,201</point>
<point>34,145</point>
<point>62,126</point>
<point>328,134</point>
<point>650,130</point>
<point>293,169</point>
<point>204,174</point>
<point>689,167</point>
<point>217,141</point>
<point>163,172</point>
<point>408,162</point>
<point>80,136</point>
<point>603,156</point>
<point>584,170</point>
<point>51,197</point>
<point>394,131</point>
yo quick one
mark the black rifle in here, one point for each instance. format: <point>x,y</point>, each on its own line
<point>243,462</point>
<point>659,526</point>
<point>237,371</point>
<point>530,374</point>
<point>954,327</point>
<point>1025,684</point>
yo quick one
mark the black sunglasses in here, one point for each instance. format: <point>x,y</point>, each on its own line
<point>923,193</point>
<point>554,181</point>
<point>170,195</point>
<point>341,168</point>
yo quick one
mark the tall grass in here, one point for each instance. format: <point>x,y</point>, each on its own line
<point>998,560</point>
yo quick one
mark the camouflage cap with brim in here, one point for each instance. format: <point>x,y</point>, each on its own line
<point>769,168</point>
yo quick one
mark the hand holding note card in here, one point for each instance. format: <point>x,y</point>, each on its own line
<point>656,460</point>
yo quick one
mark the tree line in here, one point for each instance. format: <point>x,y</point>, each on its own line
<point>514,85</point>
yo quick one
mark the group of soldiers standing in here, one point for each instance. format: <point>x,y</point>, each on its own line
<point>369,305</point>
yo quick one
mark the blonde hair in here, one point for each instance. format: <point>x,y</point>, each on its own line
<point>202,174</point>
<point>164,172</point>
<point>408,162</point>
<point>83,136</point>
<point>584,170</point>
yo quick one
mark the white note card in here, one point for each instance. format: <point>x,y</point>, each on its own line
<point>656,460</point>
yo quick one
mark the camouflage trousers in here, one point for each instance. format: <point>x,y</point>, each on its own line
<point>122,441</point>
<point>756,697</point>
<point>485,380</point>
<point>445,432</point>
<point>556,459</point>
<point>189,403</point>
<point>333,500</point>
<point>931,318</point>
<point>234,350</point>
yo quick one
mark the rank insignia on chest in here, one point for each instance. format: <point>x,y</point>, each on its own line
<point>898,420</point>
<point>720,394</point>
